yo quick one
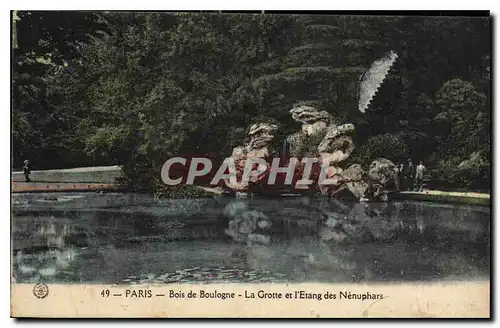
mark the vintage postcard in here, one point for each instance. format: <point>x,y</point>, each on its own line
<point>250,165</point>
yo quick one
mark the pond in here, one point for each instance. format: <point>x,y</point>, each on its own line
<point>118,238</point>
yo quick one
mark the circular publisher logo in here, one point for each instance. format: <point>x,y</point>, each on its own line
<point>41,290</point>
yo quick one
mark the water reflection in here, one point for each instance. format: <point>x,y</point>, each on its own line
<point>110,239</point>
<point>54,254</point>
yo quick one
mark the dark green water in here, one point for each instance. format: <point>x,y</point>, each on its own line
<point>130,238</point>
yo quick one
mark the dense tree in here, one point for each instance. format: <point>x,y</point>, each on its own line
<point>47,95</point>
<point>462,136</point>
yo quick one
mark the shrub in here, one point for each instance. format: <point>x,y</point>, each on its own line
<point>162,191</point>
<point>459,174</point>
<point>309,145</point>
<point>386,145</point>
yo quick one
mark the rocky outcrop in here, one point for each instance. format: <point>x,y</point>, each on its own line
<point>380,174</point>
<point>334,149</point>
<point>258,146</point>
<point>313,120</point>
<point>337,145</point>
<point>238,157</point>
<point>382,171</point>
<point>355,180</point>
<point>261,134</point>
<point>361,184</point>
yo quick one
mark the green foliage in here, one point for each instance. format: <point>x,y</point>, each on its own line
<point>47,90</point>
<point>309,145</point>
<point>386,145</point>
<point>262,119</point>
<point>463,120</point>
<point>458,96</point>
<point>109,141</point>
<point>137,175</point>
<point>455,173</point>
<point>162,191</point>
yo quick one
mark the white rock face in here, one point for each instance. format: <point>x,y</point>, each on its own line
<point>337,145</point>
<point>261,135</point>
<point>313,120</point>
<point>312,129</point>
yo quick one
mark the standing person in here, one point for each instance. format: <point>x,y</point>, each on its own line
<point>410,175</point>
<point>397,180</point>
<point>419,176</point>
<point>401,177</point>
<point>27,170</point>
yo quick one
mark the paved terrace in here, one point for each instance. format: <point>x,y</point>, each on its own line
<point>77,179</point>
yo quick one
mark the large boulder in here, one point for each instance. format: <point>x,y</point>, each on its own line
<point>335,182</point>
<point>261,134</point>
<point>355,179</point>
<point>358,183</point>
<point>337,145</point>
<point>382,172</point>
<point>313,120</point>
<point>260,137</point>
<point>238,157</point>
<point>380,175</point>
